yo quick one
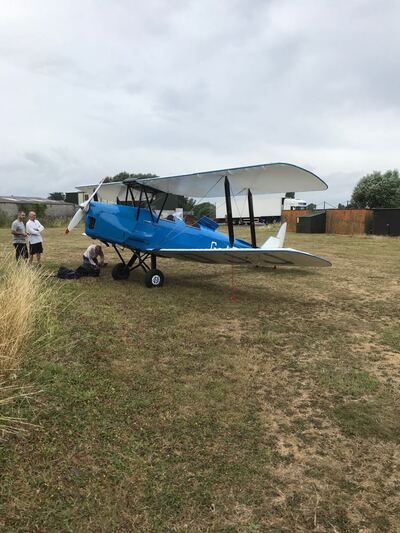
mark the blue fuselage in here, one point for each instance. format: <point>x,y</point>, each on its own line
<point>120,224</point>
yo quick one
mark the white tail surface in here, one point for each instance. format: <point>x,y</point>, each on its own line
<point>272,243</point>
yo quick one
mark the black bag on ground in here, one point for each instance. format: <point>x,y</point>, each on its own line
<point>81,272</point>
<point>87,271</point>
<point>65,273</point>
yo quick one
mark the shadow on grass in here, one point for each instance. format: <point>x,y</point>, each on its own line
<point>374,418</point>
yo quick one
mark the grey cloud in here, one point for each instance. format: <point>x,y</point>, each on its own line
<point>94,88</point>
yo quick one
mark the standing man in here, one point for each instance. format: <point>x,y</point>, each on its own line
<point>19,236</point>
<point>34,230</point>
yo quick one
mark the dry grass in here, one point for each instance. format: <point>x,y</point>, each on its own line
<point>25,302</point>
<point>181,410</point>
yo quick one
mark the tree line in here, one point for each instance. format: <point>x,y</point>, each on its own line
<point>375,190</point>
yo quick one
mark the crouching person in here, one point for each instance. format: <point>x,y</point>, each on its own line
<point>93,258</point>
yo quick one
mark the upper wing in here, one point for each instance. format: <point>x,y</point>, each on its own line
<point>248,256</point>
<point>261,179</point>
<point>108,192</point>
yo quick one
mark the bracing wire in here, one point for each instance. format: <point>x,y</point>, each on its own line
<point>241,209</point>
<point>201,199</point>
<point>191,224</point>
<point>206,195</point>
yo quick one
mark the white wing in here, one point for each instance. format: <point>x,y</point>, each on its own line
<point>261,179</point>
<point>109,192</point>
<point>248,256</point>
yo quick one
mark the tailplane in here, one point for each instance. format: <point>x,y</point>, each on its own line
<point>272,243</point>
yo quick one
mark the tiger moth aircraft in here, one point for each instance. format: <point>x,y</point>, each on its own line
<point>135,224</point>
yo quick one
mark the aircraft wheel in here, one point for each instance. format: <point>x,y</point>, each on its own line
<point>154,278</point>
<point>120,272</point>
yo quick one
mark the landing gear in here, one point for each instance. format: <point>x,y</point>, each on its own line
<point>153,277</point>
<point>120,272</point>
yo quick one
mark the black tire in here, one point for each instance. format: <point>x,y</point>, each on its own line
<point>154,278</point>
<point>120,272</point>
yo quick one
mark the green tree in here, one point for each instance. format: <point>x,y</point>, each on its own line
<point>311,207</point>
<point>198,210</point>
<point>188,204</point>
<point>290,195</point>
<point>60,196</point>
<point>377,190</point>
<point>121,176</point>
<point>205,209</point>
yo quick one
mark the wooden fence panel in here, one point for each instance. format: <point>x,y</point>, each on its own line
<point>291,217</point>
<point>348,221</point>
<point>339,221</point>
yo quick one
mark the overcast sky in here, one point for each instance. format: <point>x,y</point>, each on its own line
<point>93,87</point>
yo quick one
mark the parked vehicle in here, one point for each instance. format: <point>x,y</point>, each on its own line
<point>267,208</point>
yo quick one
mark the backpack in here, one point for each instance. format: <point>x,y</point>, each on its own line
<point>65,273</point>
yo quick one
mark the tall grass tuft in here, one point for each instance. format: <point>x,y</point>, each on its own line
<point>26,304</point>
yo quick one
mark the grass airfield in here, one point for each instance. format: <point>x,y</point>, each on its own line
<point>182,409</point>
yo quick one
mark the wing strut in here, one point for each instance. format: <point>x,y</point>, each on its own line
<point>251,215</point>
<point>229,211</point>
<point>139,204</point>
<point>163,205</point>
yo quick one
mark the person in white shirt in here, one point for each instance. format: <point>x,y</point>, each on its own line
<point>34,230</point>
<point>93,257</point>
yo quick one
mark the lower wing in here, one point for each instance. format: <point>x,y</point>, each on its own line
<point>247,256</point>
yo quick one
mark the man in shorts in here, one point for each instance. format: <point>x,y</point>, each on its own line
<point>34,230</point>
<point>19,236</point>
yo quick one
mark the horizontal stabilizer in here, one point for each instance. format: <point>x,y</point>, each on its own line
<point>276,242</point>
<point>247,256</point>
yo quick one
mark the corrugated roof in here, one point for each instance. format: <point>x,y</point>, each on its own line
<point>29,200</point>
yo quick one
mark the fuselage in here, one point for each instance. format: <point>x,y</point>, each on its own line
<point>123,225</point>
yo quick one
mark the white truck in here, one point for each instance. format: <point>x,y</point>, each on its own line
<point>267,208</point>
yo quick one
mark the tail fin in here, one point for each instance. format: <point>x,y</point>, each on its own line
<point>272,243</point>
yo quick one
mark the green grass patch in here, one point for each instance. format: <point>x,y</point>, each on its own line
<point>372,419</point>
<point>349,382</point>
<point>391,337</point>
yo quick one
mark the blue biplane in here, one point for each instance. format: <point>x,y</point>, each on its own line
<point>136,225</point>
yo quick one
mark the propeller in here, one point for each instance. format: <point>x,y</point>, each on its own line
<point>83,209</point>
